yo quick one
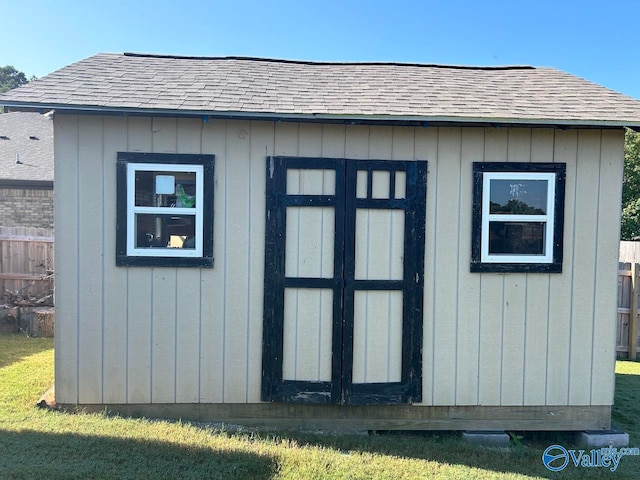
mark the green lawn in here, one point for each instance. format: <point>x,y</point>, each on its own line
<point>41,444</point>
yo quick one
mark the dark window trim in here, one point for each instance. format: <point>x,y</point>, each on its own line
<point>207,162</point>
<point>479,168</point>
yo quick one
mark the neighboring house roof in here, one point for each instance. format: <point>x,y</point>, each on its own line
<point>368,92</point>
<point>26,148</point>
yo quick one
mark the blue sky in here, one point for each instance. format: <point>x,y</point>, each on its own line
<point>596,40</point>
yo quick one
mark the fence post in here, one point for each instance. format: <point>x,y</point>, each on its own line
<point>633,314</point>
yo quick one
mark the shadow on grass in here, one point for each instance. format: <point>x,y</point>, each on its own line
<point>440,447</point>
<point>523,458</point>
<point>30,454</point>
<point>15,347</point>
<point>449,448</point>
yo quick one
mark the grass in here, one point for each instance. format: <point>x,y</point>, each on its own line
<point>36,443</point>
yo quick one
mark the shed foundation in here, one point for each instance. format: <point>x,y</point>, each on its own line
<point>602,438</point>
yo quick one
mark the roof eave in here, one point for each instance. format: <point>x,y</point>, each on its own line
<point>422,120</point>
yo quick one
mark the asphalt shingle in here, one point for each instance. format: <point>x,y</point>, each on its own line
<point>26,147</point>
<point>390,91</point>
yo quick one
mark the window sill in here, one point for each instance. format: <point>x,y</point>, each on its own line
<point>128,261</point>
<point>516,267</point>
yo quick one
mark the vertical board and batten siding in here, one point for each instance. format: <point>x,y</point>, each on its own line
<point>467,349</point>
<point>67,336</point>
<point>115,371</point>
<point>181,335</point>
<point>492,296</point>
<point>585,233</point>
<point>537,298</point>
<point>560,286</point>
<point>607,245</point>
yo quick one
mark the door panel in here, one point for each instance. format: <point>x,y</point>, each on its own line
<point>379,244</point>
<point>380,184</point>
<point>391,186</point>
<point>309,242</point>
<point>311,181</point>
<point>308,320</point>
<point>377,336</point>
<point>304,230</point>
<point>344,264</point>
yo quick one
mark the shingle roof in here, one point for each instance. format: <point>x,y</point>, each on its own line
<point>360,91</point>
<point>26,147</point>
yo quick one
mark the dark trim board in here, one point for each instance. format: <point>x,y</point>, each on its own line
<point>329,119</point>
<point>370,417</point>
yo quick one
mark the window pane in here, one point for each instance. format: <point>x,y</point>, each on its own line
<point>513,238</point>
<point>518,196</point>
<point>165,231</point>
<point>165,189</point>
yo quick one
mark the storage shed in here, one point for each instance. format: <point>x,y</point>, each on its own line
<point>342,245</point>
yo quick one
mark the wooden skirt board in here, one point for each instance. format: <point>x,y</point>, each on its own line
<point>371,417</point>
<point>344,280</point>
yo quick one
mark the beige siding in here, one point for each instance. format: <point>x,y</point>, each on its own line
<point>586,230</point>
<point>446,223</point>
<point>560,288</point>
<point>515,291</point>
<point>426,147</point>
<point>188,321</point>
<point>492,291</point>
<point>67,237</point>
<point>139,292</point>
<point>467,346</point>
<point>212,308</point>
<point>536,321</point>
<point>114,303</point>
<point>164,335</point>
<point>236,261</point>
<point>261,146</point>
<point>90,246</point>
<point>609,194</point>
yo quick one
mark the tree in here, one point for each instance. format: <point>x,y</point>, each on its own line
<point>631,187</point>
<point>11,78</point>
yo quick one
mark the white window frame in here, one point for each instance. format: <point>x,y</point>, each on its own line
<point>548,218</point>
<point>133,210</point>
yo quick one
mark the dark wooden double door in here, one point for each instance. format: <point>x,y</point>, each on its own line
<point>344,266</point>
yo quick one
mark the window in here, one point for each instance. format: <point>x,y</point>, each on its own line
<point>518,215</point>
<point>165,210</point>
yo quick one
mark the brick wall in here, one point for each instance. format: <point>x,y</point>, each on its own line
<point>26,207</point>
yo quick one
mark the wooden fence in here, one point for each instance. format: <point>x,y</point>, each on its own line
<point>26,262</point>
<point>629,252</point>
<point>627,322</point>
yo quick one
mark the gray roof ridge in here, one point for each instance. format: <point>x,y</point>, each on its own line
<point>312,62</point>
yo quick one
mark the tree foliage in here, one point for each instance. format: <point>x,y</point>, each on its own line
<point>11,78</point>
<point>631,188</point>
